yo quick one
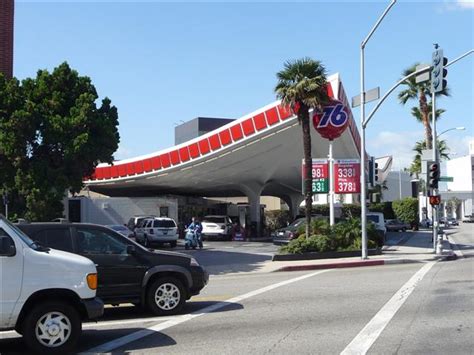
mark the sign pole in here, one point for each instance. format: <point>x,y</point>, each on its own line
<point>331,184</point>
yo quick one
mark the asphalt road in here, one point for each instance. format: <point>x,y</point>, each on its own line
<point>420,308</point>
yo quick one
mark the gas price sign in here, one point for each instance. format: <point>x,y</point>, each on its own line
<point>346,176</point>
<point>320,174</point>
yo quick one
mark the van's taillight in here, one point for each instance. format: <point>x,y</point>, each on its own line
<point>92,281</point>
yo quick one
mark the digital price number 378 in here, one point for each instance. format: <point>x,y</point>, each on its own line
<point>346,176</point>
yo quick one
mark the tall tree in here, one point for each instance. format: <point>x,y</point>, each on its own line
<point>302,85</point>
<point>53,134</point>
<point>420,92</point>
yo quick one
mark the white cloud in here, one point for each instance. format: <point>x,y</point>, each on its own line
<point>456,5</point>
<point>123,153</point>
<point>397,144</point>
<point>458,146</point>
<point>465,4</point>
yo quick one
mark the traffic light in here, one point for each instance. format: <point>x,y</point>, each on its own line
<point>373,171</point>
<point>433,175</point>
<point>438,72</point>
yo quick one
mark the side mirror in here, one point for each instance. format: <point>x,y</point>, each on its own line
<point>131,249</point>
<point>7,246</point>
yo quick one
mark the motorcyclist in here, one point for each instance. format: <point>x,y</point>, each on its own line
<point>196,228</point>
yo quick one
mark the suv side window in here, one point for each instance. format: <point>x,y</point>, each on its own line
<point>97,241</point>
<point>55,238</point>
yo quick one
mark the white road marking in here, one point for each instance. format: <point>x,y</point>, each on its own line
<point>116,343</point>
<point>125,321</point>
<point>369,334</point>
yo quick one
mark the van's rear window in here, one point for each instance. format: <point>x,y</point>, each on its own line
<point>163,224</point>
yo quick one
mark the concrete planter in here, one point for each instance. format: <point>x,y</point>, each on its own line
<point>326,255</point>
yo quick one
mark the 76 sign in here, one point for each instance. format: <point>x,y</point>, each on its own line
<point>346,176</point>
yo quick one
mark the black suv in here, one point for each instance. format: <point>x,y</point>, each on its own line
<point>127,272</point>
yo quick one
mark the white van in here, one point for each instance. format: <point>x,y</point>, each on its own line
<point>44,293</point>
<point>379,220</point>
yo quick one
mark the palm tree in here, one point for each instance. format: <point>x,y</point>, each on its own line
<point>443,150</point>
<point>302,86</point>
<point>420,92</point>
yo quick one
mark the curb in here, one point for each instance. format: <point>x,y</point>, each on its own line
<point>349,264</point>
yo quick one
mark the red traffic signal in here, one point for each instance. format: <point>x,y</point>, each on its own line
<point>433,175</point>
<point>435,200</point>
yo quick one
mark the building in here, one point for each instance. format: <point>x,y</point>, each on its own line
<point>461,189</point>
<point>6,37</point>
<point>259,154</point>
<point>197,127</point>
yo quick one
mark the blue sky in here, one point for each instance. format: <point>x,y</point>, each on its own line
<point>161,63</point>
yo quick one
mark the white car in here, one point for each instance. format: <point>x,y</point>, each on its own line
<point>157,230</point>
<point>216,227</point>
<point>47,292</point>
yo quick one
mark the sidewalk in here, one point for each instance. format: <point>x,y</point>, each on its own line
<point>410,247</point>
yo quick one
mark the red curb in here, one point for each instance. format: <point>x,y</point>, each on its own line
<point>333,266</point>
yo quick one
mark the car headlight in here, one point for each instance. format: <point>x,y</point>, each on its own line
<point>194,262</point>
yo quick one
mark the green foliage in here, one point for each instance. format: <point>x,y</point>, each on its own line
<point>342,236</point>
<point>52,134</point>
<point>406,210</point>
<point>277,219</point>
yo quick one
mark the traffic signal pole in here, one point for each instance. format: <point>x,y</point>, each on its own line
<point>436,243</point>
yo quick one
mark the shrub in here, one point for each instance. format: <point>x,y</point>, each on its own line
<point>406,210</point>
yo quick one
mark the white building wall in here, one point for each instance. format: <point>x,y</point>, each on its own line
<point>398,185</point>
<point>461,169</point>
<point>118,210</point>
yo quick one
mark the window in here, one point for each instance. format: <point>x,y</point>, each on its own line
<point>215,220</point>
<point>373,218</point>
<point>97,241</point>
<point>164,223</point>
<point>55,238</point>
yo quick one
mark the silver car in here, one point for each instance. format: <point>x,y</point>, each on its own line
<point>157,231</point>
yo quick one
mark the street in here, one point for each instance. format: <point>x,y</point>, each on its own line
<point>325,311</point>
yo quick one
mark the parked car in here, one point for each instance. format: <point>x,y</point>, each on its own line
<point>46,293</point>
<point>396,225</point>
<point>287,234</point>
<point>468,219</point>
<point>157,231</point>
<point>124,230</point>
<point>128,273</point>
<point>453,221</point>
<point>216,227</point>
<point>425,223</point>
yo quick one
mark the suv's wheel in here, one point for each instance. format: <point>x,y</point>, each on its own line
<point>52,328</point>
<point>166,296</point>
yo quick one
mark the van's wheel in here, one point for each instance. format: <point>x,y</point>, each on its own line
<point>52,328</point>
<point>166,296</point>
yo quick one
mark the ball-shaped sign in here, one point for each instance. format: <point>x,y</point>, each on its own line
<point>332,122</point>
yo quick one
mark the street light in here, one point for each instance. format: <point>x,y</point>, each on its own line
<point>452,129</point>
<point>363,187</point>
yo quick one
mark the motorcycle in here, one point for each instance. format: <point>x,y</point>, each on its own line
<point>192,240</point>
